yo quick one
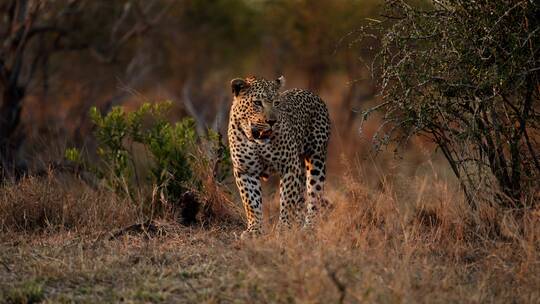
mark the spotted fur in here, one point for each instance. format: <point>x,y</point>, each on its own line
<point>285,133</point>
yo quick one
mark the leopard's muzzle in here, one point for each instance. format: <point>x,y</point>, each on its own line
<point>261,134</point>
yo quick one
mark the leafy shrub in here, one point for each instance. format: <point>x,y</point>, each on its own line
<point>111,131</point>
<point>174,150</point>
<point>465,74</point>
<point>170,146</point>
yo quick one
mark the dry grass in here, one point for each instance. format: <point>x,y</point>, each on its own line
<point>53,203</point>
<point>411,240</point>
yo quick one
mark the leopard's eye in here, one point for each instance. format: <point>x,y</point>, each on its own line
<point>276,103</point>
<point>258,102</point>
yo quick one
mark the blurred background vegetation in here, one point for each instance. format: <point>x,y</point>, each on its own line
<point>60,58</point>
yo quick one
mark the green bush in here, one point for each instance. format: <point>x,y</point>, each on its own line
<point>173,148</point>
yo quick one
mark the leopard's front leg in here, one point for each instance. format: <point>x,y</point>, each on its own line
<point>250,192</point>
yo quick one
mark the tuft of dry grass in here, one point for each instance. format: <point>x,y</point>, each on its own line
<point>217,206</point>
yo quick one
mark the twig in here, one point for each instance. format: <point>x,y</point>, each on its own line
<point>146,227</point>
<point>341,287</point>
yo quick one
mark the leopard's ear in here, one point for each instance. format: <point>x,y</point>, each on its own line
<point>237,85</point>
<point>281,81</point>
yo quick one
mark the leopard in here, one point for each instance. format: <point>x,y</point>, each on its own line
<point>284,133</point>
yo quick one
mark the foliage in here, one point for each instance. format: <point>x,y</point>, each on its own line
<point>110,133</point>
<point>230,27</point>
<point>169,144</point>
<point>465,74</point>
<point>172,147</point>
<point>307,34</point>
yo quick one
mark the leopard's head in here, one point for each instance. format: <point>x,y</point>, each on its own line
<point>254,105</point>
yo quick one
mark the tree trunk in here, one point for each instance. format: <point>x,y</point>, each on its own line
<point>10,117</point>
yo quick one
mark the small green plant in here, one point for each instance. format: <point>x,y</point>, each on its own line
<point>173,148</point>
<point>73,155</point>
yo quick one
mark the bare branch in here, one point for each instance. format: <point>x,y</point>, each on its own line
<point>190,108</point>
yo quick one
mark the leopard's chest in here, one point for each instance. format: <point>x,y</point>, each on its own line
<point>279,152</point>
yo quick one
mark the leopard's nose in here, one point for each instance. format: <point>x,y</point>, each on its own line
<point>271,122</point>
